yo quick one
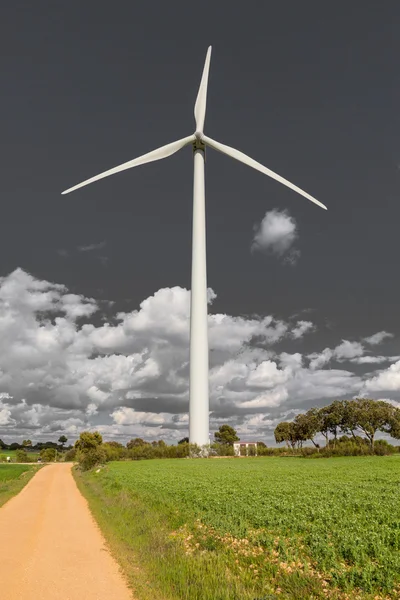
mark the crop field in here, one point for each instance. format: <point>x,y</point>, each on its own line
<point>251,528</point>
<point>12,480</point>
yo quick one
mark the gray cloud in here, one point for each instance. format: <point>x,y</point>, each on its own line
<point>91,247</point>
<point>377,338</point>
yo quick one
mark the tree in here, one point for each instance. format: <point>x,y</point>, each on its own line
<point>2,445</point>
<point>62,440</point>
<point>90,450</point>
<point>372,416</point>
<point>308,425</point>
<point>158,444</point>
<point>184,440</point>
<point>349,422</point>
<point>393,427</point>
<point>88,440</point>
<point>226,435</point>
<point>283,433</point>
<point>27,444</point>
<point>331,419</point>
<point>289,432</point>
<point>114,444</point>
<point>136,442</point>
<point>335,417</point>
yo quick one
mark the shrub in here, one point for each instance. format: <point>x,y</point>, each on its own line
<point>383,448</point>
<point>91,457</point>
<point>114,451</point>
<point>196,452</point>
<point>48,454</point>
<point>221,449</point>
<point>272,451</point>
<point>22,456</point>
<point>309,451</point>
<point>181,451</point>
<point>141,452</point>
<point>70,455</point>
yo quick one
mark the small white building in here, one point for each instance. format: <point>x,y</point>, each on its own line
<point>238,448</point>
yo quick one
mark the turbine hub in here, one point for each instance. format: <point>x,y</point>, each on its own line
<point>199,135</point>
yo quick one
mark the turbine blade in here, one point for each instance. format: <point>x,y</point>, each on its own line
<point>201,100</point>
<point>259,167</point>
<point>158,154</point>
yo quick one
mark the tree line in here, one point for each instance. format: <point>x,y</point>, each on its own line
<point>348,417</point>
<point>28,446</point>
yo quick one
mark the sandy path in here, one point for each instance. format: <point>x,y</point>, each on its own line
<point>50,546</point>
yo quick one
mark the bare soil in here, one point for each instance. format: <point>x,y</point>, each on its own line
<point>51,547</point>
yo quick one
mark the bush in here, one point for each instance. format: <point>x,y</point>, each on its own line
<point>252,451</point>
<point>196,452</point>
<point>114,451</point>
<point>383,448</point>
<point>91,457</point>
<point>261,451</point>
<point>70,455</point>
<point>309,451</point>
<point>22,456</point>
<point>218,449</point>
<point>48,454</point>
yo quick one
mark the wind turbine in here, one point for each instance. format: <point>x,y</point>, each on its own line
<point>199,400</point>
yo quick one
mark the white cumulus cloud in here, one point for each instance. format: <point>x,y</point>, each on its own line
<point>276,234</point>
<point>129,377</point>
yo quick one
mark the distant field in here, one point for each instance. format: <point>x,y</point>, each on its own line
<point>13,478</point>
<point>12,454</point>
<point>254,528</point>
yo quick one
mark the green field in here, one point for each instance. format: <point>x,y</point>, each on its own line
<point>13,478</point>
<point>245,529</point>
<point>12,454</point>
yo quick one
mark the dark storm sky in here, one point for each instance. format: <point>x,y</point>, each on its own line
<point>309,90</point>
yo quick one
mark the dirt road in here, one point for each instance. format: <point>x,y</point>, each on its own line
<point>50,546</point>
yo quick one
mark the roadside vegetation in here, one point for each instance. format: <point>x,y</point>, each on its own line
<point>13,478</point>
<point>245,529</point>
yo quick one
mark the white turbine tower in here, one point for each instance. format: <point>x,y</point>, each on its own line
<point>199,401</point>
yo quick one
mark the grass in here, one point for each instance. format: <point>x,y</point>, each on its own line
<point>13,478</point>
<point>253,528</point>
<point>12,454</point>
